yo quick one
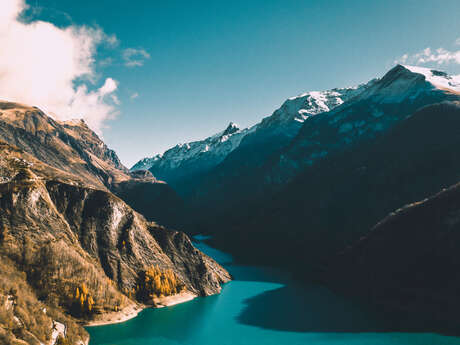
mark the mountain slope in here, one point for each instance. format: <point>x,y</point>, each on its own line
<point>407,265</point>
<point>70,245</point>
<point>401,92</point>
<point>69,146</point>
<point>72,147</point>
<point>334,202</point>
<point>374,110</point>
<point>193,158</point>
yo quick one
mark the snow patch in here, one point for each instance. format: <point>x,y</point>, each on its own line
<point>437,78</point>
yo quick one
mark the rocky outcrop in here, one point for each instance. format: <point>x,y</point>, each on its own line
<point>69,244</point>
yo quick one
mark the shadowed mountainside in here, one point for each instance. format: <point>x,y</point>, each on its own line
<point>407,264</point>
<point>334,203</point>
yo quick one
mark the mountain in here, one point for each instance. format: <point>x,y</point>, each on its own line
<point>194,158</point>
<point>401,92</point>
<point>407,265</point>
<point>331,204</point>
<point>186,165</point>
<point>267,158</point>
<point>71,251</point>
<point>69,146</point>
<point>74,148</point>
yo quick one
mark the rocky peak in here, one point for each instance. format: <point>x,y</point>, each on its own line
<point>69,145</point>
<point>231,128</point>
<point>406,83</point>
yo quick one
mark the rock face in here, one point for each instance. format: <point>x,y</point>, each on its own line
<point>69,146</point>
<point>67,242</point>
<point>407,264</point>
<point>73,148</point>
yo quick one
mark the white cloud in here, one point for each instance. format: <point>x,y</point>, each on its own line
<point>135,57</point>
<point>404,58</point>
<point>134,95</point>
<point>440,56</point>
<point>52,68</point>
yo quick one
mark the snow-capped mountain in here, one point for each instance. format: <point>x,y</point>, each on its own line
<point>393,145</point>
<point>266,161</point>
<point>304,129</point>
<point>301,107</point>
<point>193,157</point>
<point>387,101</point>
<point>145,163</point>
<point>274,131</point>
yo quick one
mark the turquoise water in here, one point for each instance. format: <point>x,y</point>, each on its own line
<point>260,306</point>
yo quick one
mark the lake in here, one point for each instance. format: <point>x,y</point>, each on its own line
<point>261,306</point>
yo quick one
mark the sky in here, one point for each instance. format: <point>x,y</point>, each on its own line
<point>146,74</point>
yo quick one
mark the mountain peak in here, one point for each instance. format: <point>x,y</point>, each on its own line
<point>231,128</point>
<point>439,79</point>
<point>406,83</point>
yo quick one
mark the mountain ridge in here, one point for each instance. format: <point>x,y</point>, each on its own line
<point>284,122</point>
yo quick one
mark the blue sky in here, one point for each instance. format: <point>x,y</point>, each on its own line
<point>200,64</point>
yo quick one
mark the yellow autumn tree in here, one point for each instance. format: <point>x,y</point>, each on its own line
<point>155,281</point>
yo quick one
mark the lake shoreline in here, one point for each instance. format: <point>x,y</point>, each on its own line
<point>123,315</point>
<point>132,311</point>
<point>168,301</point>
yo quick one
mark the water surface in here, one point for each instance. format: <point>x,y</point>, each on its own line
<point>261,306</point>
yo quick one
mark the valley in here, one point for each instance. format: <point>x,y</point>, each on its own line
<point>307,202</point>
<point>298,205</point>
<point>262,305</point>
<point>229,173</point>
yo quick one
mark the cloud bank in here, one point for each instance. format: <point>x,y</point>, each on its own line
<point>439,56</point>
<point>54,68</point>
